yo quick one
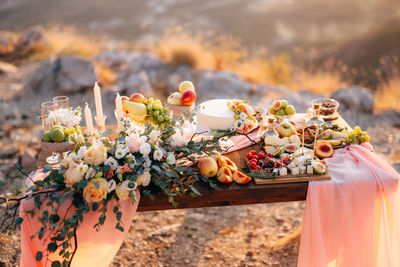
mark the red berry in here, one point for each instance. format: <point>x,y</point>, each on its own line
<point>253,153</point>
<point>261,155</point>
<point>257,168</point>
<point>269,155</point>
<point>255,157</point>
<point>249,156</point>
<point>253,165</point>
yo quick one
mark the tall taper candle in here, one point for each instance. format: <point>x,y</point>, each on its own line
<point>120,112</point>
<point>88,118</point>
<point>99,108</point>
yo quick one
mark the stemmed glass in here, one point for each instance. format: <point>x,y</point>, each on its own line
<point>49,118</point>
<point>63,110</point>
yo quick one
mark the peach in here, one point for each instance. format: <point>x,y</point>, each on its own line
<point>240,177</point>
<point>224,161</point>
<point>224,175</point>
<point>188,97</point>
<point>124,98</point>
<point>137,98</point>
<point>208,166</point>
<point>185,85</point>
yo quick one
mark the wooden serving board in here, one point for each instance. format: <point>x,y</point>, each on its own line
<point>239,158</point>
<point>293,179</point>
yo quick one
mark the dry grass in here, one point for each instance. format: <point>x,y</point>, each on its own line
<point>388,95</point>
<point>68,41</point>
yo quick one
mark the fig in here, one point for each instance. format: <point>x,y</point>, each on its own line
<point>284,103</point>
<point>271,110</point>
<point>319,167</point>
<point>277,105</point>
<point>280,112</point>
<point>290,148</point>
<point>323,149</point>
<point>279,151</point>
<point>327,134</point>
<point>290,110</point>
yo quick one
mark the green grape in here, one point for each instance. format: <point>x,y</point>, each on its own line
<point>156,113</point>
<point>167,117</point>
<point>166,110</point>
<point>150,99</point>
<point>149,106</point>
<point>160,118</point>
<point>157,107</point>
<point>158,101</point>
<point>151,113</point>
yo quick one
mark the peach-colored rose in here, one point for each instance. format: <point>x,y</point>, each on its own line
<point>123,169</point>
<point>133,142</point>
<point>96,154</point>
<point>75,173</point>
<point>93,194</point>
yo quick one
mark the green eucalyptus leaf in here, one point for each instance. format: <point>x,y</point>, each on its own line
<point>39,256</point>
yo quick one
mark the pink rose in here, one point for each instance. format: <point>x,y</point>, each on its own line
<point>133,142</point>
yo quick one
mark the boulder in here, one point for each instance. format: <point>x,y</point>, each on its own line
<point>115,60</point>
<point>7,42</point>
<point>220,84</point>
<point>67,75</point>
<point>138,62</point>
<point>32,40</point>
<point>136,83</point>
<point>355,98</point>
<point>74,74</point>
<point>182,73</point>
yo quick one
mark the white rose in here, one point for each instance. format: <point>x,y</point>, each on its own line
<point>143,138</point>
<point>179,140</point>
<point>158,154</point>
<point>81,152</point>
<point>133,142</point>
<point>82,168</point>
<point>171,160</point>
<point>96,154</point>
<point>144,179</point>
<point>145,149</point>
<point>242,116</point>
<point>75,173</point>
<point>112,163</point>
<point>153,136</point>
<point>90,173</point>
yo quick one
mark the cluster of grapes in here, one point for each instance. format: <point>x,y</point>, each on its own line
<point>357,136</point>
<point>265,161</point>
<point>158,113</point>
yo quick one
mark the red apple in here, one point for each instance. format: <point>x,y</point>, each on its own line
<point>188,97</point>
<point>124,98</point>
<point>138,98</point>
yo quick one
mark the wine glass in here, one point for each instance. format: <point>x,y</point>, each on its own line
<point>63,110</point>
<point>49,118</point>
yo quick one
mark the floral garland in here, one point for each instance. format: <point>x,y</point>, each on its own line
<point>100,170</point>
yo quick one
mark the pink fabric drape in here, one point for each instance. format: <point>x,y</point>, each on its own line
<point>94,248</point>
<point>353,220</point>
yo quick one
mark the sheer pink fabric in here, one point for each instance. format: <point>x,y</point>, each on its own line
<point>353,219</point>
<point>94,248</point>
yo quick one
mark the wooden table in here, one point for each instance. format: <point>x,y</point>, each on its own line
<point>234,194</point>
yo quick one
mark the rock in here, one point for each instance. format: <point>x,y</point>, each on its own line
<point>74,74</point>
<point>8,152</point>
<point>137,83</point>
<point>182,73</point>
<point>355,98</point>
<point>220,84</point>
<point>28,159</point>
<point>114,60</point>
<point>392,117</point>
<point>32,40</point>
<point>138,62</point>
<point>68,75</point>
<point>7,42</point>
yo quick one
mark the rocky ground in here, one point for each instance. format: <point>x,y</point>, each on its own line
<point>257,235</point>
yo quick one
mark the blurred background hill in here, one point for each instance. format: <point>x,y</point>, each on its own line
<point>254,49</point>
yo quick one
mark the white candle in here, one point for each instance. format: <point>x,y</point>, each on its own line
<point>119,111</point>
<point>88,118</point>
<point>99,107</point>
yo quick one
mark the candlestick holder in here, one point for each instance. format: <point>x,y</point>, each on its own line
<point>101,124</point>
